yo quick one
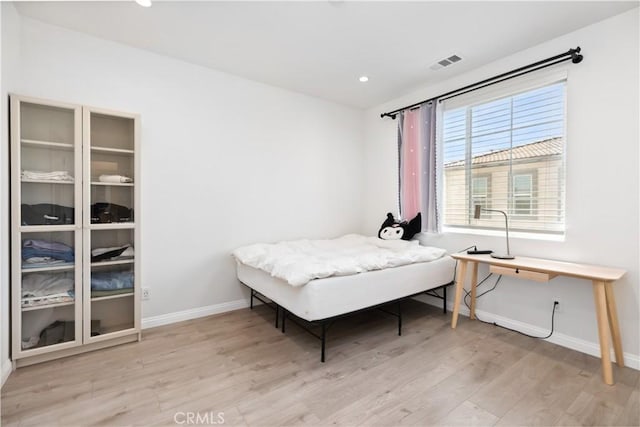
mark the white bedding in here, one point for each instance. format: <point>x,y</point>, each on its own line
<point>300,261</point>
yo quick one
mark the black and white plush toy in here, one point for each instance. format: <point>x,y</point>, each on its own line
<point>394,230</point>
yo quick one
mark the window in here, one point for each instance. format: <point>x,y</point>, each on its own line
<point>523,194</point>
<point>505,153</point>
<point>480,191</point>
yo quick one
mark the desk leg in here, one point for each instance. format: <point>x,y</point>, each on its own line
<point>461,274</point>
<point>474,283</point>
<point>600,300</point>
<point>612,311</point>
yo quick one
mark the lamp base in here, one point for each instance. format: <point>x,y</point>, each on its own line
<point>503,256</point>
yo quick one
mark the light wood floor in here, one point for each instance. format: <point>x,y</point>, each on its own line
<point>238,364</point>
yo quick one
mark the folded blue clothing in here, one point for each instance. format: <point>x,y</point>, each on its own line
<point>47,245</point>
<point>36,252</point>
<point>110,280</point>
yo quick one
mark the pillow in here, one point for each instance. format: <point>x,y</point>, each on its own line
<point>394,230</point>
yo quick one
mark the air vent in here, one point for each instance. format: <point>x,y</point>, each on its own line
<point>445,62</point>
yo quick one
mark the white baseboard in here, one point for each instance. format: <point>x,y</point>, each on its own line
<point>193,313</point>
<point>6,367</point>
<point>583,346</point>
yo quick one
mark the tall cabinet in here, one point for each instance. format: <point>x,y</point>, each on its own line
<point>75,236</point>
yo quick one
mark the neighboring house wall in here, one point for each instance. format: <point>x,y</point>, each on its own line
<point>546,194</point>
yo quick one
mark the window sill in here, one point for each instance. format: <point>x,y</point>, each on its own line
<point>501,233</point>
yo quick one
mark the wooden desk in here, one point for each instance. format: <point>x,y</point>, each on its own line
<point>543,270</point>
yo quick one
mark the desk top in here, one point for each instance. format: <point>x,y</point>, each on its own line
<point>582,271</point>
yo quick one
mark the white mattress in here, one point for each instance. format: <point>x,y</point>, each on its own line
<point>323,298</point>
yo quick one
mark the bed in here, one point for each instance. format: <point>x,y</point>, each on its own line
<point>319,297</point>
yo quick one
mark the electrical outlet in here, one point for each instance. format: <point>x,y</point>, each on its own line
<point>560,306</point>
<point>146,293</point>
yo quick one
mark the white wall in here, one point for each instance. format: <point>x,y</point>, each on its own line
<point>225,161</point>
<point>10,25</point>
<point>602,184</point>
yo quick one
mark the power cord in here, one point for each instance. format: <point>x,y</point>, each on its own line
<point>468,293</point>
<point>553,313</point>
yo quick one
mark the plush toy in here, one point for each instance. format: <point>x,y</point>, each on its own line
<point>394,230</point>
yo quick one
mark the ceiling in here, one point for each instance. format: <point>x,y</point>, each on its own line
<point>321,48</point>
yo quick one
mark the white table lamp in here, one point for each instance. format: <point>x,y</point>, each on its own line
<point>476,215</point>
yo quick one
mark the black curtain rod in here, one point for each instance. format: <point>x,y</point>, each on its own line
<point>573,54</point>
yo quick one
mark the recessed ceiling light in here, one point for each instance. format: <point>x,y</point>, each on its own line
<point>364,79</point>
<point>144,3</point>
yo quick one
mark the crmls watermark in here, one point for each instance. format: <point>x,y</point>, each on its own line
<point>199,418</point>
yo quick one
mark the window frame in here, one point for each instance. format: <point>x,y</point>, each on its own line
<point>487,96</point>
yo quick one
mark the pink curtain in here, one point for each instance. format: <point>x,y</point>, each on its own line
<point>417,165</point>
<point>410,170</point>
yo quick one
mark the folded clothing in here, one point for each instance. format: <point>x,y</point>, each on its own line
<point>46,176</point>
<point>103,212</point>
<point>38,249</point>
<point>45,284</point>
<point>110,280</point>
<point>102,254</point>
<point>118,179</point>
<point>46,214</point>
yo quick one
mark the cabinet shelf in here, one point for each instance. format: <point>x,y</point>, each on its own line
<point>44,306</point>
<point>113,184</point>
<point>112,150</point>
<point>112,226</point>
<point>55,267</point>
<point>115,262</point>
<point>97,299</point>
<point>46,181</point>
<point>46,144</point>
<point>46,228</point>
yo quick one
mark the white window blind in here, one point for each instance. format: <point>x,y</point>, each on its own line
<point>506,153</point>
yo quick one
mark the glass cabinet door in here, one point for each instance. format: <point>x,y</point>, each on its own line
<point>48,288</point>
<point>46,238</point>
<point>110,246</point>
<point>112,280</point>
<point>111,169</point>
<point>49,162</point>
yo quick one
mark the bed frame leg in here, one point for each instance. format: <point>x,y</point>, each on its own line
<point>284,317</point>
<point>323,338</point>
<point>251,303</point>
<point>444,300</point>
<point>399,317</point>
<point>277,314</point>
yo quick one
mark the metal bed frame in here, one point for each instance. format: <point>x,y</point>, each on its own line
<point>283,314</point>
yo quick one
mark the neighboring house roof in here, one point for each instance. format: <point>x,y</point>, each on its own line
<point>547,147</point>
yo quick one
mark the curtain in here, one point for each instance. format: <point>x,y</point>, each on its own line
<point>417,165</point>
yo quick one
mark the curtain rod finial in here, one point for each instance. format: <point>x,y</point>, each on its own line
<point>576,58</point>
